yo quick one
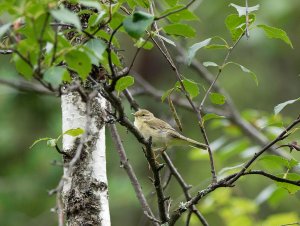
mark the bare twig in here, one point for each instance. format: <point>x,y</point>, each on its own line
<point>188,218</point>
<point>113,73</point>
<point>22,85</point>
<point>131,174</point>
<point>185,188</point>
<point>40,40</point>
<point>234,116</point>
<point>229,180</point>
<point>53,58</point>
<point>272,177</point>
<point>175,11</point>
<point>220,70</point>
<point>281,136</point>
<point>148,89</point>
<point>60,212</point>
<point>168,57</point>
<point>123,120</point>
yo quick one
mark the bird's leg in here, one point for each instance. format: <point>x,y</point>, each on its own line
<point>160,151</point>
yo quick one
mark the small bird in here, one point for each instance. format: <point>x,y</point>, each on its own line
<point>163,135</point>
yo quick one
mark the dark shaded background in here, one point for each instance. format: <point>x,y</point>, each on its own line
<point>26,175</point>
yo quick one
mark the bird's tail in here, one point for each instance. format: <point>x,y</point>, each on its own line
<point>182,140</point>
<point>196,143</point>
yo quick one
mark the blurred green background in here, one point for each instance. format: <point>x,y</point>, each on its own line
<point>26,175</point>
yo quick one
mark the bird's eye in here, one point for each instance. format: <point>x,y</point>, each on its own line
<point>143,114</point>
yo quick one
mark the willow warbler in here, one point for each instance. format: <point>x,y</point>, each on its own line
<point>163,135</point>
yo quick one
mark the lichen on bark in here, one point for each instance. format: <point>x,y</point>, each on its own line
<point>85,194</point>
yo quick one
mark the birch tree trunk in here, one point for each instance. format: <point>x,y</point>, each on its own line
<point>85,191</point>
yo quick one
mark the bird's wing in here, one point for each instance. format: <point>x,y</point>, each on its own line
<point>159,125</point>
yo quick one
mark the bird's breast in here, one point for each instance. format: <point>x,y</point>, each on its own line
<point>159,136</point>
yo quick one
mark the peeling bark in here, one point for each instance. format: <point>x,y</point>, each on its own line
<point>85,192</point>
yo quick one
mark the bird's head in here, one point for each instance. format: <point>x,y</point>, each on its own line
<point>143,115</point>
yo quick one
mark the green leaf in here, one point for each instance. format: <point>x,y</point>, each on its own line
<point>278,108</point>
<point>190,86</point>
<point>39,140</point>
<point>166,94</point>
<point>181,15</point>
<point>233,149</point>
<point>95,19</point>
<point>74,132</point>
<point>244,69</point>
<point>210,116</point>
<point>183,30</point>
<point>278,195</point>
<point>273,32</point>
<point>194,48</point>
<point>142,43</point>
<point>4,28</point>
<point>116,20</point>
<point>66,16</point>
<point>115,59</point>
<point>217,98</point>
<point>79,62</point>
<point>171,2</point>
<point>210,64</point>
<point>22,67</point>
<point>137,24</point>
<point>143,3</point>
<point>91,4</point>
<point>282,219</point>
<point>97,47</point>
<point>242,10</point>
<point>124,82</point>
<point>197,154</point>
<point>56,75</point>
<point>292,189</point>
<point>236,25</point>
<point>275,162</point>
<point>51,143</point>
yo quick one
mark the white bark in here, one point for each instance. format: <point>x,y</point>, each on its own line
<point>85,193</point>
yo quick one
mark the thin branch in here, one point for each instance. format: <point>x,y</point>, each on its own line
<point>53,58</point>
<point>131,174</point>
<point>168,57</point>
<point>133,104</point>
<point>234,115</point>
<point>148,89</point>
<point>272,177</point>
<point>157,182</point>
<point>220,70</point>
<point>185,188</point>
<point>136,54</point>
<point>229,180</point>
<point>281,136</point>
<point>109,51</point>
<point>175,11</point>
<point>123,120</point>
<point>21,85</point>
<point>60,212</point>
<point>188,218</point>
<point>40,40</point>
<point>167,179</point>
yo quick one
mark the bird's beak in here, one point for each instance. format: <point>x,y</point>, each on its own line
<point>133,114</point>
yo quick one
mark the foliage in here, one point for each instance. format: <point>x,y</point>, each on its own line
<point>56,44</point>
